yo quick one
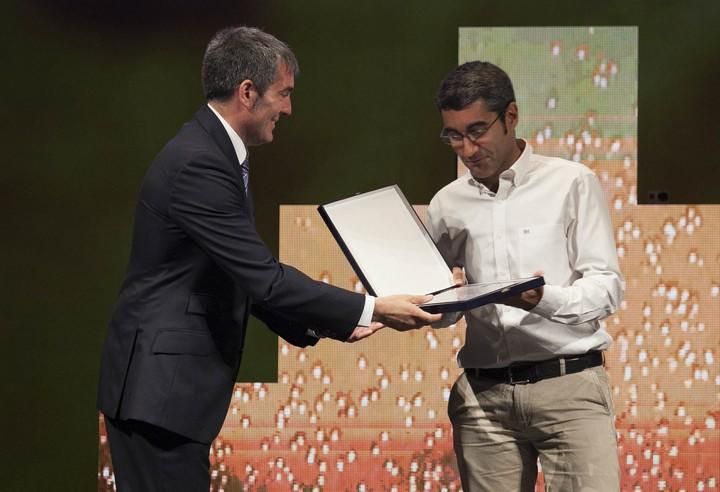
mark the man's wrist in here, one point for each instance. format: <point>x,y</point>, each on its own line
<point>550,301</point>
<point>367,315</point>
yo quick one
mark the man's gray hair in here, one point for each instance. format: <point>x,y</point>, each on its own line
<point>235,54</point>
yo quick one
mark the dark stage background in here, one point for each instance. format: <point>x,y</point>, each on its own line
<point>92,90</point>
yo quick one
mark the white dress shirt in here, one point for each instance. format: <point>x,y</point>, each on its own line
<point>548,215</point>
<point>241,152</point>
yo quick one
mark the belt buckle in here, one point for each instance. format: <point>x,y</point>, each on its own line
<point>511,379</point>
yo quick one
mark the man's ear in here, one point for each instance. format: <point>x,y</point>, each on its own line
<point>511,116</point>
<point>247,93</point>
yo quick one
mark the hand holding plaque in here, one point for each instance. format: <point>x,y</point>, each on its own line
<point>392,253</point>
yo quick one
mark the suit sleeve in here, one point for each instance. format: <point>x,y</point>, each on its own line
<point>207,204</point>
<point>288,330</point>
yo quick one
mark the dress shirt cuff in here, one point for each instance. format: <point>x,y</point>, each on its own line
<point>552,299</point>
<point>368,310</point>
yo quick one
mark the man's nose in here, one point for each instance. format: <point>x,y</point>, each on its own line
<point>468,147</point>
<point>288,107</point>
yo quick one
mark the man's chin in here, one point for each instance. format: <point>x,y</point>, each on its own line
<point>479,171</point>
<point>260,141</point>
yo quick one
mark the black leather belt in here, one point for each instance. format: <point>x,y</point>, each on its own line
<point>531,372</point>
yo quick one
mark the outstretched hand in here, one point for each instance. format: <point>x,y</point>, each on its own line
<point>361,332</point>
<point>401,312</point>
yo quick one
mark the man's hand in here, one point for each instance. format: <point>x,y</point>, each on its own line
<point>361,332</point>
<point>402,313</point>
<point>528,299</point>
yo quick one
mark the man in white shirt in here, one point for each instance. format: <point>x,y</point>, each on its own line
<point>534,384</point>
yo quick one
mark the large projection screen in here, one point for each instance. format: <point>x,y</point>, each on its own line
<point>372,415</point>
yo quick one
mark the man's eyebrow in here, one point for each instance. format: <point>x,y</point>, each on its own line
<point>447,129</point>
<point>472,126</point>
<point>477,124</point>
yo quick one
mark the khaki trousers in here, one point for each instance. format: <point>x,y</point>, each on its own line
<point>500,431</point>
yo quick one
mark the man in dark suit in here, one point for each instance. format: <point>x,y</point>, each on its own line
<point>197,270</point>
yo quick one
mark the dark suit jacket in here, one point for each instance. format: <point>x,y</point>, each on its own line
<point>197,268</point>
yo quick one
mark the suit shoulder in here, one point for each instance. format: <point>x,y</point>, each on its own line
<point>192,145</point>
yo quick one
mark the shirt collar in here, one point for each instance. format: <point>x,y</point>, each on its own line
<point>235,139</point>
<point>522,166</point>
<point>516,173</point>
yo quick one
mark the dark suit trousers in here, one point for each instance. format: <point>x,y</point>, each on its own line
<point>147,458</point>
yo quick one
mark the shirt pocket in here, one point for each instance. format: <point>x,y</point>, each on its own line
<point>542,247</point>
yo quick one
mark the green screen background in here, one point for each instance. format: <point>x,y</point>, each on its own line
<point>92,90</point>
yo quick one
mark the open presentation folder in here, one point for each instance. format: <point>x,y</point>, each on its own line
<point>392,253</point>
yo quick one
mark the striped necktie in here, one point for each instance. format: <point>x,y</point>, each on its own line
<point>245,170</point>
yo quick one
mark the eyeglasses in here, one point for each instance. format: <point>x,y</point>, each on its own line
<point>456,139</point>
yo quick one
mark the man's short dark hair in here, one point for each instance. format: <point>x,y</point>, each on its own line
<point>239,53</point>
<point>472,81</point>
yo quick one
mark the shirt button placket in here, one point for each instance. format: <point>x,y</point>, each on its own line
<point>500,239</point>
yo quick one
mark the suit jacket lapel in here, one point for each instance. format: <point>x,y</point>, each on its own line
<point>216,130</point>
<point>251,205</point>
